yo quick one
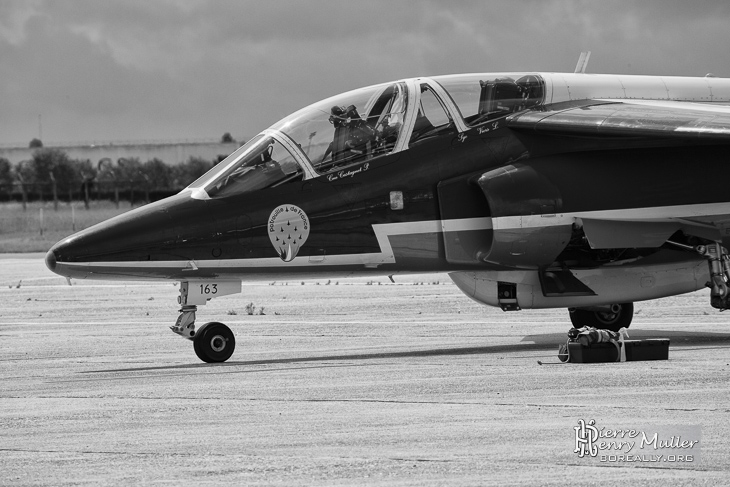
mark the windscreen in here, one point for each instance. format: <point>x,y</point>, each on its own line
<point>262,163</point>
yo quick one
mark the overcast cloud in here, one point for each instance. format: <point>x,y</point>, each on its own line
<point>188,69</point>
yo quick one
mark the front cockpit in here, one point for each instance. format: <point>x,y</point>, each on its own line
<point>366,124</point>
<point>348,128</point>
<point>348,134</point>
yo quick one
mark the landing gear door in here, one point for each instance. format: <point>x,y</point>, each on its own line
<point>465,221</point>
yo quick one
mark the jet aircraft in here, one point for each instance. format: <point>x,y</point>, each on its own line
<point>531,190</point>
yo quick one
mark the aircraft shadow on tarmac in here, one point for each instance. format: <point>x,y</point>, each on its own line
<point>538,342</point>
<point>354,356</point>
<point>677,338</point>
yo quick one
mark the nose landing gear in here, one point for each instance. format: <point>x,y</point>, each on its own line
<point>213,342</point>
<point>185,324</point>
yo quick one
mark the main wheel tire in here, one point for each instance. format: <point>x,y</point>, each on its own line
<point>214,342</point>
<point>605,320</point>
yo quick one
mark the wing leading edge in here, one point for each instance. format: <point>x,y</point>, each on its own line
<point>628,118</point>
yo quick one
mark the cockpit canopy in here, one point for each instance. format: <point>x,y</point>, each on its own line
<point>261,163</point>
<point>482,98</point>
<point>350,127</point>
<point>367,123</point>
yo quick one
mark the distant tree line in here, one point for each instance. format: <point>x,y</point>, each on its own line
<point>52,176</point>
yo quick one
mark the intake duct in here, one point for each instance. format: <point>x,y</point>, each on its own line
<point>525,206</point>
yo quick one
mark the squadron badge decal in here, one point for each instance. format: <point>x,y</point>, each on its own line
<point>288,230</point>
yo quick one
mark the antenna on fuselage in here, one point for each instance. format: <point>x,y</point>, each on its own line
<point>582,62</point>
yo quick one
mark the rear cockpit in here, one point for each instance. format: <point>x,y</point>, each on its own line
<point>365,124</point>
<point>481,98</point>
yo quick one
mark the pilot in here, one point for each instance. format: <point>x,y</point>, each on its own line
<point>337,116</point>
<point>337,146</point>
<point>353,135</point>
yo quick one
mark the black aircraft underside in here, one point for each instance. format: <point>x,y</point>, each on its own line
<point>590,204</point>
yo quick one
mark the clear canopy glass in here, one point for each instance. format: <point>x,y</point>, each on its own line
<point>359,125</point>
<point>336,132</point>
<point>484,97</point>
<point>348,128</point>
<point>262,163</point>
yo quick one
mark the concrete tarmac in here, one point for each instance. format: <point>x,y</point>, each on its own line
<point>339,382</point>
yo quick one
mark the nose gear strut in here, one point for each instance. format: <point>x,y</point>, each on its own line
<point>185,324</point>
<point>719,262</point>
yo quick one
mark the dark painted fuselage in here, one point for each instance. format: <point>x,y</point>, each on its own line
<point>437,180</point>
<point>497,202</point>
<point>343,209</point>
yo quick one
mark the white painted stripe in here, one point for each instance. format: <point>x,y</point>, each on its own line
<point>464,224</point>
<point>382,233</point>
<point>386,230</point>
<point>650,214</point>
<point>532,221</point>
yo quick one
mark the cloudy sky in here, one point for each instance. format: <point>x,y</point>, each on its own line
<point>98,70</point>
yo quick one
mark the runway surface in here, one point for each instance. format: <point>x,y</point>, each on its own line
<point>349,382</point>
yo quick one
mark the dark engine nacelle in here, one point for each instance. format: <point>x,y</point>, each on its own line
<point>527,229</point>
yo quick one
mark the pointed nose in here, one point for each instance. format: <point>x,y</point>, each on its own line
<point>111,249</point>
<point>51,260</point>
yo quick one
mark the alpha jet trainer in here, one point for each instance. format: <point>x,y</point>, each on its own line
<point>532,190</point>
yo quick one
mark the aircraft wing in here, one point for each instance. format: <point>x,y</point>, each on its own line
<point>685,123</point>
<point>632,118</point>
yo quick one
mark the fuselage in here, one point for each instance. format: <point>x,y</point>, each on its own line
<point>393,187</point>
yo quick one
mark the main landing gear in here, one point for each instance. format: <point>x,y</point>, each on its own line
<point>213,342</point>
<point>612,317</point>
<point>719,262</point>
<point>617,316</point>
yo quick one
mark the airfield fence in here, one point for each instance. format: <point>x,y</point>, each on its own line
<point>52,176</point>
<point>120,192</point>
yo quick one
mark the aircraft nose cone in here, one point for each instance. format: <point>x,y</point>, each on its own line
<point>51,260</point>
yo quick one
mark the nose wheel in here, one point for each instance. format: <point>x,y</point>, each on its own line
<point>214,342</point>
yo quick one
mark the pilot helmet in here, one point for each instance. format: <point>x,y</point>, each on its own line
<point>337,115</point>
<point>351,113</point>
